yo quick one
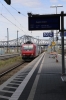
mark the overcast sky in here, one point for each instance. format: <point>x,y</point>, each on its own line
<point>11,19</point>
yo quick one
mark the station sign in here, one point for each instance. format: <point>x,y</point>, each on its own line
<point>64,34</point>
<point>44,22</point>
<point>48,34</point>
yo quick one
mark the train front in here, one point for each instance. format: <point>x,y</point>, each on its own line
<point>28,51</point>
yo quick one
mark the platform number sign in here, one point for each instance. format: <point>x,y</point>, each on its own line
<point>48,34</point>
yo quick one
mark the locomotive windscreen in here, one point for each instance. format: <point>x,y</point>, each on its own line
<point>28,47</point>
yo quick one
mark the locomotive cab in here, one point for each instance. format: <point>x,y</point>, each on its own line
<point>29,51</point>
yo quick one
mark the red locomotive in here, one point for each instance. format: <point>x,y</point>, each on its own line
<point>30,50</point>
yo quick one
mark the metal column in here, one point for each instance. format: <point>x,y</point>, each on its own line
<point>62,42</point>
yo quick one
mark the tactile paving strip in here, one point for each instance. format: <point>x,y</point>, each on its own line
<point>28,87</point>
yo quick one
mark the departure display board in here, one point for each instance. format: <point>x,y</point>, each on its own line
<point>46,22</point>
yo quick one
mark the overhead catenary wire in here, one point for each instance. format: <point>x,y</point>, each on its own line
<point>11,14</point>
<point>18,11</point>
<point>13,17</point>
<point>11,21</point>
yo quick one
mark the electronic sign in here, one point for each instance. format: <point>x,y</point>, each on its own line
<point>45,22</point>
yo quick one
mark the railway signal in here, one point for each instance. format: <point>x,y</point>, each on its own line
<point>8,1</point>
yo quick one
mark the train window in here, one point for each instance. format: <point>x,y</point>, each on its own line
<point>27,47</point>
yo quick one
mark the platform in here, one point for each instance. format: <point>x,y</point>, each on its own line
<point>48,84</point>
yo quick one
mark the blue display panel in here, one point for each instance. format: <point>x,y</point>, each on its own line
<point>48,34</point>
<point>49,22</point>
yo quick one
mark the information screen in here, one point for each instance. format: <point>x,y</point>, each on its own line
<point>44,22</point>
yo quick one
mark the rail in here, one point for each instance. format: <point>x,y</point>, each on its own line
<point>7,56</point>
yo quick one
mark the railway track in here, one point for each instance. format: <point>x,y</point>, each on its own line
<point>7,56</point>
<point>4,76</point>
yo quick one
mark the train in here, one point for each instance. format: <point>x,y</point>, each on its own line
<point>30,50</point>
